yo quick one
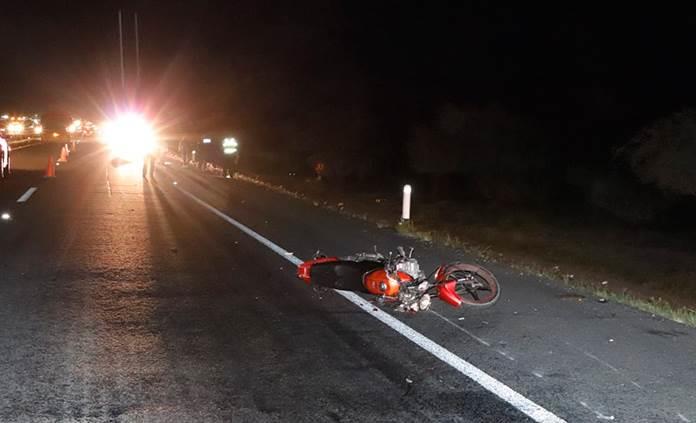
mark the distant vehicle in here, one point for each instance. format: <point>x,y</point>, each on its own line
<point>55,134</point>
<point>222,151</point>
<point>54,126</point>
<point>88,130</point>
<point>130,138</point>
<point>4,159</point>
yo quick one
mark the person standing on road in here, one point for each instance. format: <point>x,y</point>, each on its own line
<point>149,165</point>
<point>185,151</point>
<point>150,161</point>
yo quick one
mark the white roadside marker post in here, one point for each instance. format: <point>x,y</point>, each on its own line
<point>406,206</point>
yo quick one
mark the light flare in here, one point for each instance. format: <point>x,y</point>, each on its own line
<point>129,137</point>
<point>75,126</point>
<point>15,128</point>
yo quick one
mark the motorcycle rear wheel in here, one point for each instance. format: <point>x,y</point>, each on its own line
<point>476,285</point>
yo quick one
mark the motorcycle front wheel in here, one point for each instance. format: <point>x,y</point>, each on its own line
<point>476,285</point>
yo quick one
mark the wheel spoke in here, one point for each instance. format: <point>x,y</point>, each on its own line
<point>475,295</point>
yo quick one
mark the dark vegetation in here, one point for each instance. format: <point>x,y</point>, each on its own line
<point>551,111</point>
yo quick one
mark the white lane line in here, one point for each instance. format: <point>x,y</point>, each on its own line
<point>27,194</point>
<point>502,391</point>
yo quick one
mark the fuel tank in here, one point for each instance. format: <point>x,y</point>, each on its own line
<point>378,282</point>
<point>337,274</point>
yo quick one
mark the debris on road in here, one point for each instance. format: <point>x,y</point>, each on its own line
<point>572,296</point>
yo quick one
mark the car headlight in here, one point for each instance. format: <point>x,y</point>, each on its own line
<point>129,136</point>
<point>15,128</point>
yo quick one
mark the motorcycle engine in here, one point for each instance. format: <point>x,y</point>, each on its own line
<point>413,299</point>
<point>411,267</point>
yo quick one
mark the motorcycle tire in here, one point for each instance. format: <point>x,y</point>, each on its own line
<point>473,281</point>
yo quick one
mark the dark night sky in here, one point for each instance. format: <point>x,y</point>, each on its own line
<point>231,63</point>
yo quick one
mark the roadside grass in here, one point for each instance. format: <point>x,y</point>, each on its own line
<point>645,270</point>
<point>611,267</point>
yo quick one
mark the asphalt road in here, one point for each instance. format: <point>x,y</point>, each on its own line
<point>124,299</point>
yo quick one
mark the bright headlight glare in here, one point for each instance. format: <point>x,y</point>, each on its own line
<point>129,136</point>
<point>74,126</point>
<point>15,128</point>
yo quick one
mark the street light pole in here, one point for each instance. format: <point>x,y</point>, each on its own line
<point>137,52</point>
<point>120,44</point>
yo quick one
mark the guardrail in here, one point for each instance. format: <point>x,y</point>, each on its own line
<point>23,142</point>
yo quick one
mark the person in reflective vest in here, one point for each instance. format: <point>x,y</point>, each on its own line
<point>230,156</point>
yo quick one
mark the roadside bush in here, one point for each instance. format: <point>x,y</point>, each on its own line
<point>624,198</point>
<point>342,167</point>
<point>496,151</point>
<point>664,153</point>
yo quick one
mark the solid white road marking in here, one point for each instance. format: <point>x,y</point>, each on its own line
<point>502,391</point>
<point>26,195</point>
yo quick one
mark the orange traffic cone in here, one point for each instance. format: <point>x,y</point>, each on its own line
<point>63,155</point>
<point>50,168</point>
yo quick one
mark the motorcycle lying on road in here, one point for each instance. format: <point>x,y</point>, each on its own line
<point>398,279</point>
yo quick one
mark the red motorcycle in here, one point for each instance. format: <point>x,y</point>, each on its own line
<point>399,279</point>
